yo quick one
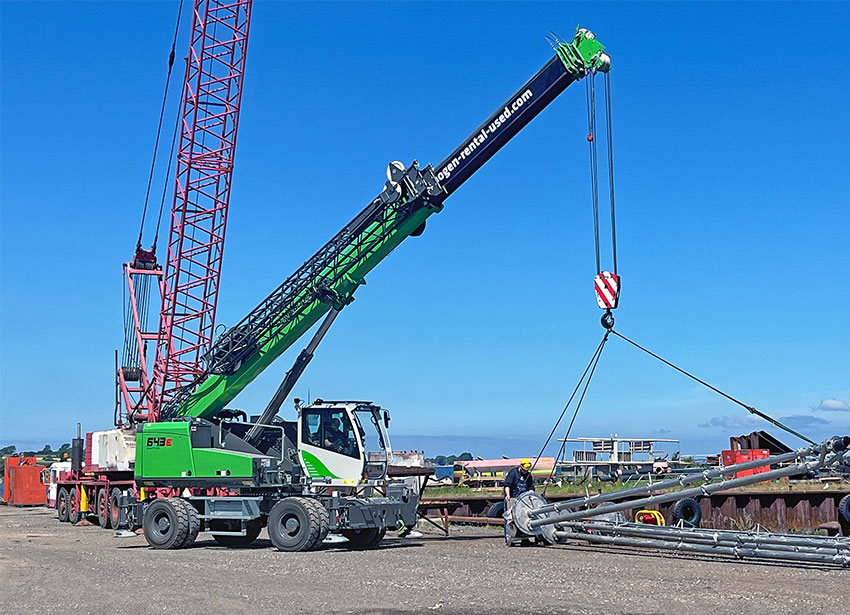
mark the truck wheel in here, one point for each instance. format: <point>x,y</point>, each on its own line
<point>117,518</point>
<point>252,530</point>
<point>379,536</point>
<point>688,511</point>
<point>62,505</point>
<point>322,514</point>
<point>102,506</point>
<point>166,524</point>
<point>194,523</point>
<point>364,539</point>
<point>294,525</point>
<point>844,508</point>
<point>73,507</point>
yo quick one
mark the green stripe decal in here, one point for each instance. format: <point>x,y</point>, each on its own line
<point>315,467</point>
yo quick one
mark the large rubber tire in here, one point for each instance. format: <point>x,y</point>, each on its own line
<point>62,505</point>
<point>324,522</point>
<point>364,539</point>
<point>73,507</point>
<point>294,525</point>
<point>844,508</point>
<point>687,511</point>
<point>194,524</point>
<point>117,519</point>
<point>496,510</point>
<point>166,523</point>
<point>102,508</point>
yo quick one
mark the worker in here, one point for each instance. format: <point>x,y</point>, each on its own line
<point>334,438</point>
<point>518,481</point>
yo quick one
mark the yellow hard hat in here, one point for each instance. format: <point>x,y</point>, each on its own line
<point>525,463</point>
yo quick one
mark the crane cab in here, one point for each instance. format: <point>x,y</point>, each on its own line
<point>343,443</point>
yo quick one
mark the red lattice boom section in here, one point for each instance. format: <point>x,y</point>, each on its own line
<point>209,119</point>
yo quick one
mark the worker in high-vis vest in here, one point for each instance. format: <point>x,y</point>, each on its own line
<point>518,481</point>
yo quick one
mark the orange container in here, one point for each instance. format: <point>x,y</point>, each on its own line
<point>24,482</point>
<point>731,457</point>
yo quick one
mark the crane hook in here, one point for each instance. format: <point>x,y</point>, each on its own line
<point>608,320</point>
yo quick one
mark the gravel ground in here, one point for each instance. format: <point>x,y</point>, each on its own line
<point>52,567</point>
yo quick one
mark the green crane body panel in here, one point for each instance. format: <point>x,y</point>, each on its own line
<point>219,389</point>
<point>165,451</point>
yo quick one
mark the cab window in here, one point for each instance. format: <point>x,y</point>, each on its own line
<point>330,429</point>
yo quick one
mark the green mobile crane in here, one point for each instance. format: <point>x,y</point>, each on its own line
<point>307,477</point>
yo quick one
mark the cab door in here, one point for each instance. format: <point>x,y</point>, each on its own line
<point>329,446</point>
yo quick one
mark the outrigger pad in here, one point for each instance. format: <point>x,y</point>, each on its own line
<point>521,516</point>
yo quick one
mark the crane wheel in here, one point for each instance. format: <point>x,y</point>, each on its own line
<point>102,507</point>
<point>62,505</point>
<point>194,525</point>
<point>117,520</point>
<point>166,523</point>
<point>322,514</point>
<point>687,511</point>
<point>252,530</point>
<point>73,507</point>
<point>364,539</point>
<point>295,525</point>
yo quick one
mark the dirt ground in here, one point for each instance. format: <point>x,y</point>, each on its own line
<point>51,567</point>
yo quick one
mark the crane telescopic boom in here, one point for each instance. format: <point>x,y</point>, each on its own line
<point>327,281</point>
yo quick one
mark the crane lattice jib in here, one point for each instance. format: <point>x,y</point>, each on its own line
<point>330,277</point>
<point>209,120</point>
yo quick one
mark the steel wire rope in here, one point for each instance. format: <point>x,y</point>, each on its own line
<point>594,171</point>
<point>562,450</point>
<point>125,350</point>
<point>610,136</point>
<point>165,184</point>
<point>748,408</point>
<point>591,367</point>
<point>159,125</point>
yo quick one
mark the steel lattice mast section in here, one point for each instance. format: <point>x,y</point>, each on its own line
<point>212,92</point>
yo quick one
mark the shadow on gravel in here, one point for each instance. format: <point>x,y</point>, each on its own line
<point>266,544</point>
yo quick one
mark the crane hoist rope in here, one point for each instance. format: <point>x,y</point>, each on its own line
<point>606,283</point>
<point>156,141</point>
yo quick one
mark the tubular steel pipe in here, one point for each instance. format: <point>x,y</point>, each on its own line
<point>734,551</point>
<point>701,490</point>
<point>781,542</point>
<point>680,481</point>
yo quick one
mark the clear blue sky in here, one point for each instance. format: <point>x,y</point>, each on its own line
<point>731,150</point>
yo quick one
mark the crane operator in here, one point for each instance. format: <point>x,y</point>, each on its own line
<point>335,439</point>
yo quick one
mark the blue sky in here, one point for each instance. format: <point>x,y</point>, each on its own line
<point>731,148</point>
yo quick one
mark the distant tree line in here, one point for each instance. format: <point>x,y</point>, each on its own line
<point>443,460</point>
<point>47,452</point>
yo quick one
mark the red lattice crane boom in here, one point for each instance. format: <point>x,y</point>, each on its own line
<point>208,123</point>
